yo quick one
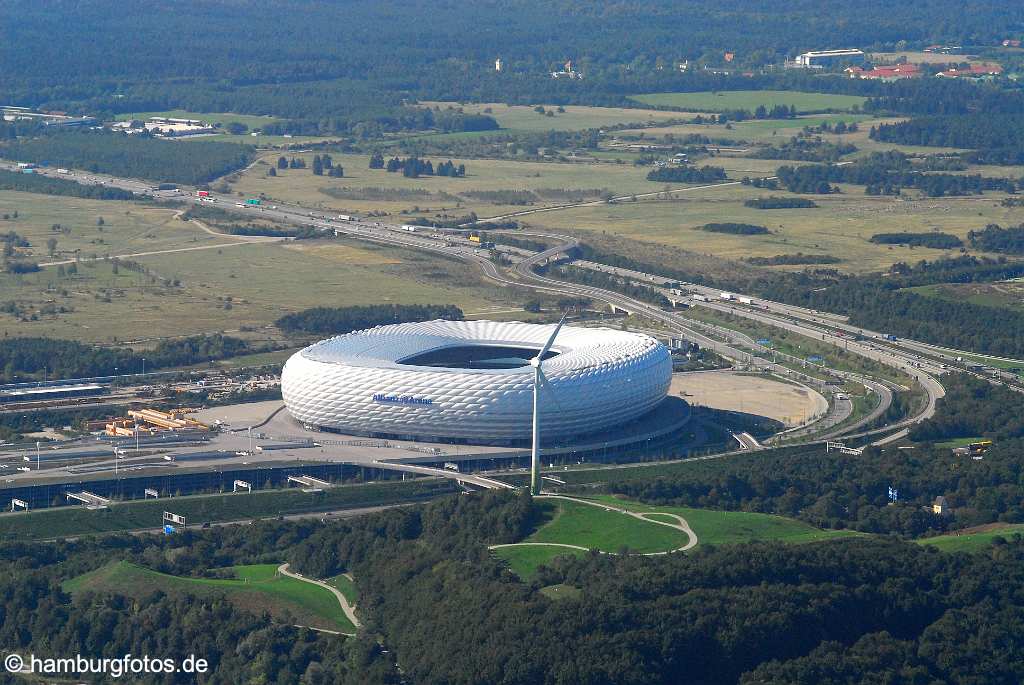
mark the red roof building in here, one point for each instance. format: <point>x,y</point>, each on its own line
<point>973,71</point>
<point>888,73</point>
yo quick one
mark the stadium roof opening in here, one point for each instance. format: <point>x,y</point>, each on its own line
<point>476,357</point>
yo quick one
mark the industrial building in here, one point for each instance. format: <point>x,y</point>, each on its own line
<point>828,59</point>
<point>471,381</point>
<point>50,392</point>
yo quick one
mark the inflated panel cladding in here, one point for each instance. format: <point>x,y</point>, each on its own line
<point>599,379</point>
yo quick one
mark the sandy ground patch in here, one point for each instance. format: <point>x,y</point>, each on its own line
<point>763,396</point>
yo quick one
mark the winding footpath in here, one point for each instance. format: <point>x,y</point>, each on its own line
<point>347,608</point>
<point>681,525</point>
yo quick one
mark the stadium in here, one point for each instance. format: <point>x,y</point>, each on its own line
<point>471,381</point>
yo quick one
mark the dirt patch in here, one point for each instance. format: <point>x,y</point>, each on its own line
<point>759,395</point>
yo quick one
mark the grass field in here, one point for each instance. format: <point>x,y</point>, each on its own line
<point>841,226</point>
<point>147,514</point>
<point>127,226</point>
<point>726,527</point>
<point>972,542</point>
<point>262,280</point>
<point>256,588</point>
<point>776,130</point>
<point>345,586</point>
<point>524,561</point>
<point>518,118</point>
<point>575,523</point>
<point>958,442</point>
<point>750,99</point>
<point>363,189</point>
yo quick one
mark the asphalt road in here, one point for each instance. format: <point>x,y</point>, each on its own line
<point>804,322</point>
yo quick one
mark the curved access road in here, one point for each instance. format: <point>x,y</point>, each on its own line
<point>347,608</point>
<point>680,525</point>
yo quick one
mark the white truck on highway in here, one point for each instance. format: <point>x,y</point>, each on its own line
<point>410,228</point>
<point>728,296</point>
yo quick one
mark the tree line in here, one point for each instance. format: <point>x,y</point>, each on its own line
<point>338,320</point>
<point>412,167</point>
<point>804,150</point>
<point>25,358</point>
<point>609,281</point>
<point>37,183</point>
<point>973,407</point>
<point>774,202</point>
<point>686,174</point>
<point>133,156</point>
<point>885,173</point>
<point>852,491</point>
<point>937,241</point>
<point>882,305</point>
<point>994,238</point>
<point>998,136</point>
<point>735,228</point>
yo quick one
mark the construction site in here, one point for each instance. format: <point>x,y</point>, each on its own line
<point>150,422</point>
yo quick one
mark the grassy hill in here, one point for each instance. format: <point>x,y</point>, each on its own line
<point>972,542</point>
<point>574,523</point>
<point>256,588</point>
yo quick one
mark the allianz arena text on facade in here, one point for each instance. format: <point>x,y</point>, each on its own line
<point>471,381</point>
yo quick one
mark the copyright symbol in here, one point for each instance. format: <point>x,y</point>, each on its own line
<point>14,663</point>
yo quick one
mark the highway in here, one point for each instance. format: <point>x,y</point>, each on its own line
<point>905,356</point>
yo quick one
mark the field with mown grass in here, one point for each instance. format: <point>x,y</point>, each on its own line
<point>717,101</point>
<point>254,588</point>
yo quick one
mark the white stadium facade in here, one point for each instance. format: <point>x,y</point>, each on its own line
<point>471,381</point>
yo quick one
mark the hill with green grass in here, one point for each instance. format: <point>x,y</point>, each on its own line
<point>256,588</point>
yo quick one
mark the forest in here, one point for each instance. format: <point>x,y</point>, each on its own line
<point>999,137</point>
<point>685,174</point>
<point>774,202</point>
<point>973,407</point>
<point>735,228</point>
<point>24,358</point>
<point>937,241</point>
<point>885,173</point>
<point>34,183</point>
<point>800,149</point>
<point>994,238</point>
<point>882,306</point>
<point>851,492</point>
<point>609,281</point>
<point>438,608</point>
<point>135,156</point>
<point>793,259</point>
<point>214,58</point>
<point>338,320</point>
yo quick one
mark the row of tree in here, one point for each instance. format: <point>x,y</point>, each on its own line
<point>132,156</point>
<point>994,238</point>
<point>885,174</point>
<point>686,174</point>
<point>934,240</point>
<point>37,183</point>
<point>412,167</point>
<point>23,358</point>
<point>337,320</point>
